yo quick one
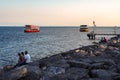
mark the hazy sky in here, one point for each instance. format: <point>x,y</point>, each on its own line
<point>60,12</point>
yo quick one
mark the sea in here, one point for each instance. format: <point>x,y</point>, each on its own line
<point>47,42</point>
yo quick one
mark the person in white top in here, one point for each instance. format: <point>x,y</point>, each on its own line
<point>27,57</point>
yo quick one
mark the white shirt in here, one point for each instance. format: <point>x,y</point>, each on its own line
<point>27,58</point>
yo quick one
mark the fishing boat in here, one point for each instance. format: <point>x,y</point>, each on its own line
<point>31,28</point>
<point>84,28</point>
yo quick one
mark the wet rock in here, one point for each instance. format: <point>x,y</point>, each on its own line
<point>71,74</point>
<point>105,61</point>
<point>113,53</point>
<point>99,66</point>
<point>103,74</point>
<point>55,58</point>
<point>79,64</point>
<point>52,71</point>
<point>76,74</point>
<point>87,60</point>
<point>61,63</point>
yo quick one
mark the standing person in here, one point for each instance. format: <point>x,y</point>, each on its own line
<point>27,57</point>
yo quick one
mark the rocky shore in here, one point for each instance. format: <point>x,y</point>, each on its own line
<point>93,62</point>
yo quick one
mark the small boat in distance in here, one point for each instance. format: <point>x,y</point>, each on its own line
<point>31,28</point>
<point>84,28</point>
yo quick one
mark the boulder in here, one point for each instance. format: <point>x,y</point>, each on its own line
<point>76,74</point>
<point>104,74</point>
<point>104,60</point>
<point>70,74</point>
<point>14,74</point>
<point>52,71</point>
<point>98,66</point>
<point>33,72</point>
<point>60,63</point>
<point>103,46</point>
<point>8,67</point>
<point>78,64</point>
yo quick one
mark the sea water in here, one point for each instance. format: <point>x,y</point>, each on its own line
<point>49,41</point>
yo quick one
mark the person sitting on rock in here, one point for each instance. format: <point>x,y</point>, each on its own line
<point>21,57</point>
<point>21,60</point>
<point>102,40</point>
<point>27,57</point>
<point>105,40</point>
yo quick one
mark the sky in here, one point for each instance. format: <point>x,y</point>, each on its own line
<point>60,12</point>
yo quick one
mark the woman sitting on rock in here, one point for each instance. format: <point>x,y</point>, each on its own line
<point>103,40</point>
<point>21,60</point>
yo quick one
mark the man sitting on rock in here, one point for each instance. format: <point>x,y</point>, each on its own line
<point>27,57</point>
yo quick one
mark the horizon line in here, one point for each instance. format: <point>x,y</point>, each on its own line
<point>52,26</point>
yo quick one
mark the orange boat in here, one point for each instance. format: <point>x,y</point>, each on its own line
<point>31,28</point>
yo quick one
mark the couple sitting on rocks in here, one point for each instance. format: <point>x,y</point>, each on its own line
<point>24,58</point>
<point>103,40</point>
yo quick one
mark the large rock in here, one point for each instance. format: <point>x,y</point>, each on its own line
<point>51,72</point>
<point>34,72</point>
<point>14,74</point>
<point>78,64</point>
<point>99,66</point>
<point>60,63</point>
<point>76,74</point>
<point>70,74</point>
<point>104,60</point>
<point>30,71</point>
<point>8,67</point>
<point>104,74</point>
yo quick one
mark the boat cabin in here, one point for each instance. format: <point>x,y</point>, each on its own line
<point>84,28</point>
<point>31,28</point>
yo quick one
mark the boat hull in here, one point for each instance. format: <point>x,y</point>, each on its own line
<point>84,30</point>
<point>30,31</point>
